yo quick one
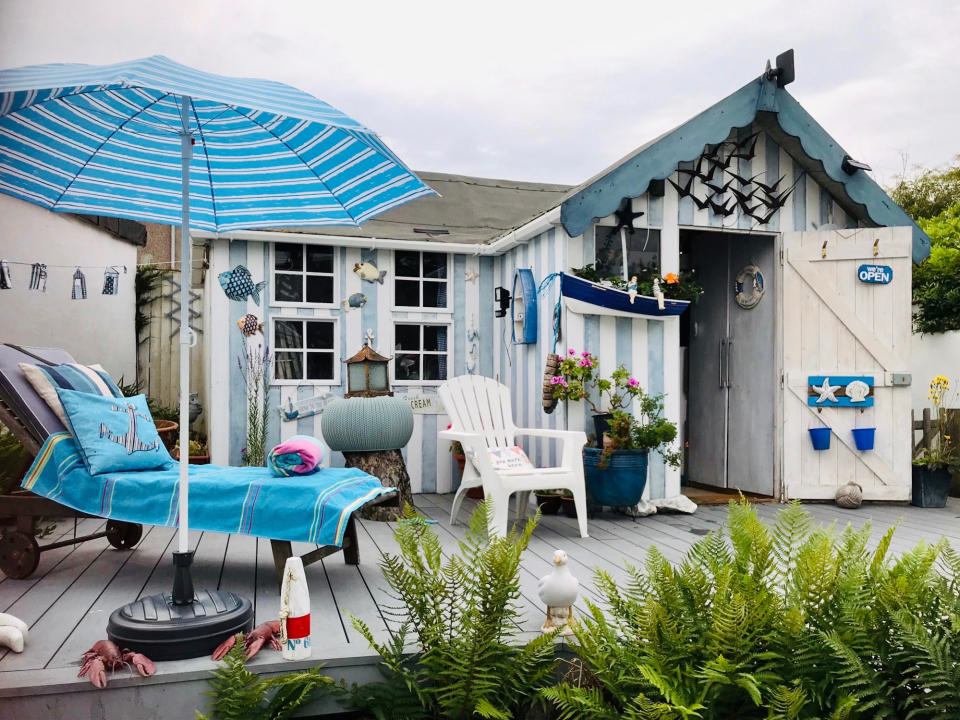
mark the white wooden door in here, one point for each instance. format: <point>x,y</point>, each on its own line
<point>836,324</point>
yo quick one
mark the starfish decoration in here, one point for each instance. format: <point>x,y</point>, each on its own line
<point>625,215</point>
<point>826,391</point>
<point>471,275</point>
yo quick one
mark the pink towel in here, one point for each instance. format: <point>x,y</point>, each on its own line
<point>299,455</point>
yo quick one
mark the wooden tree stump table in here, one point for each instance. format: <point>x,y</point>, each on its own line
<point>388,466</point>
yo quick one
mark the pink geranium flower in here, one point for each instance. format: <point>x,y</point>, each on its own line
<point>633,382</point>
<point>571,351</point>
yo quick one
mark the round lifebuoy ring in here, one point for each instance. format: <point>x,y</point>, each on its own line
<point>748,287</point>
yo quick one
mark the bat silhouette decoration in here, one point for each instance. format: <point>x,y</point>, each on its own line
<point>746,148</point>
<point>722,209</point>
<point>719,189</point>
<point>773,207</point>
<point>768,189</point>
<point>683,191</point>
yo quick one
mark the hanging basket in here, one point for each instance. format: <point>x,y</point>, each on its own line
<point>820,437</point>
<point>863,438</point>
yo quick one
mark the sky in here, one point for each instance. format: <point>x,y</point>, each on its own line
<point>544,91</point>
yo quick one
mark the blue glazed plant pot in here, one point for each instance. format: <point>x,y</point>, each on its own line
<point>620,482</point>
<point>863,438</point>
<point>367,424</point>
<point>930,487</point>
<point>820,437</point>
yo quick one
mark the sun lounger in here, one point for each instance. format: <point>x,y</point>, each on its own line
<point>316,508</point>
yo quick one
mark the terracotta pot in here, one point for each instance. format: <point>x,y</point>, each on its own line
<point>193,459</point>
<point>461,460</point>
<point>569,507</point>
<point>167,430</point>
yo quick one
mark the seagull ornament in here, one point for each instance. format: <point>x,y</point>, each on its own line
<point>827,391</point>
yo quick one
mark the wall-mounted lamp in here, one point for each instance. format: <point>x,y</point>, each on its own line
<point>501,301</point>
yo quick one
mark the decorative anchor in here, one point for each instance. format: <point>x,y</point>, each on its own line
<point>369,337</point>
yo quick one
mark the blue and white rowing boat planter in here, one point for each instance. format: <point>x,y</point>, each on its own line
<point>524,310</point>
<point>588,298</point>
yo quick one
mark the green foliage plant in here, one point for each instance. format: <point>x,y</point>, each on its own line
<point>239,694</point>
<point>577,379</point>
<point>674,286</point>
<point>791,621</point>
<point>462,613</point>
<point>255,366</point>
<point>943,450</point>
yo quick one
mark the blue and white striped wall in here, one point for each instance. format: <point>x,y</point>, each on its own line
<point>650,349</point>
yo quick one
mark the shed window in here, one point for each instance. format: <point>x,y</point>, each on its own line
<point>643,251</point>
<point>420,279</point>
<point>303,274</point>
<point>304,349</point>
<point>421,352</point>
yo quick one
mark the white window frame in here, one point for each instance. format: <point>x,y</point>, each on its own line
<point>609,223</point>
<point>448,324</point>
<point>420,308</point>
<point>296,382</point>
<point>337,260</point>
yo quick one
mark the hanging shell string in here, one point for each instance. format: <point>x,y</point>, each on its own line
<point>543,287</point>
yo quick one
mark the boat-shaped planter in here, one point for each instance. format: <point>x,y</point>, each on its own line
<point>587,298</point>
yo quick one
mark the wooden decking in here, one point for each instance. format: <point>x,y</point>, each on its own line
<point>69,598</point>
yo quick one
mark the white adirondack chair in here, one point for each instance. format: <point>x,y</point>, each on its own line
<point>481,418</point>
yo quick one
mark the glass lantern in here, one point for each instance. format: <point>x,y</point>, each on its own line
<point>367,374</point>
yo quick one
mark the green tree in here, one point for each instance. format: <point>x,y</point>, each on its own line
<point>932,199</point>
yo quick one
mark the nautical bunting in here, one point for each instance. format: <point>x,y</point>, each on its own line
<point>79,286</point>
<point>6,281</point>
<point>38,277</point>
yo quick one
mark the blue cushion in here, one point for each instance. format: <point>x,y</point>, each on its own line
<point>114,434</point>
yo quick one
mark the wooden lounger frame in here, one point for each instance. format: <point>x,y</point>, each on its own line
<point>19,548</point>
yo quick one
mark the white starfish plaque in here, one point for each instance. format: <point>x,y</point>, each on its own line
<point>827,391</point>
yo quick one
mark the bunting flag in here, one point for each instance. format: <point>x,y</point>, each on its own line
<point>79,286</point>
<point>6,281</point>
<point>38,277</point>
<point>111,281</point>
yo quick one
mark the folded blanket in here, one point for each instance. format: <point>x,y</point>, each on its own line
<point>299,455</point>
<point>312,508</point>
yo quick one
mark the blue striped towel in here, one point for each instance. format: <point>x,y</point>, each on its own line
<point>309,508</point>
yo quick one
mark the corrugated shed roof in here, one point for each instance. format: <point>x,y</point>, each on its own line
<point>468,210</point>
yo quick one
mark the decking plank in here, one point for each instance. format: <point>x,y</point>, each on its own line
<point>122,589</point>
<point>351,594</point>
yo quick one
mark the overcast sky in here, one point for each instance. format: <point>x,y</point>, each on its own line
<point>549,91</point>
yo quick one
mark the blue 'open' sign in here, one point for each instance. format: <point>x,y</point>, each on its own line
<point>879,274</point>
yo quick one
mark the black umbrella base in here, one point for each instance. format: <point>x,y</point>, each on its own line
<point>161,630</point>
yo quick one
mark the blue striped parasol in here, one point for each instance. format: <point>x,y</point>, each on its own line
<point>156,141</point>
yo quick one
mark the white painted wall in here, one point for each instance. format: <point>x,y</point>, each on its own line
<point>935,355</point>
<point>99,329</point>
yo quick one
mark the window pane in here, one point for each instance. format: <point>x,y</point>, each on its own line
<point>319,365</point>
<point>320,335</point>
<point>407,293</point>
<point>408,367</point>
<point>434,337</point>
<point>288,256</point>
<point>288,366</point>
<point>643,250</point>
<point>288,334</point>
<point>357,377</point>
<point>289,288</point>
<point>319,259</point>
<point>378,376</point>
<point>434,367</point>
<point>609,252</point>
<point>434,294</point>
<point>320,288</point>
<point>434,265</point>
<point>407,337</point>
<point>407,264</point>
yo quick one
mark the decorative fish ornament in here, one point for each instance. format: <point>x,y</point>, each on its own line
<point>369,272</point>
<point>237,284</point>
<point>250,325</point>
<point>354,301</point>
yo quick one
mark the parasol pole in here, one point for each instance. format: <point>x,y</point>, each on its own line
<point>182,581</point>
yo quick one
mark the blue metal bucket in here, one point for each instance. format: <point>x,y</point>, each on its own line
<point>622,479</point>
<point>820,437</point>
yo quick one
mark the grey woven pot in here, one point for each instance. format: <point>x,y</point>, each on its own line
<point>363,424</point>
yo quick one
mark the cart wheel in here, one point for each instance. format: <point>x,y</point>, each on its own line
<point>19,554</point>
<point>123,535</point>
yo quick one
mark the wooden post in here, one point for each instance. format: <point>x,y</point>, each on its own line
<point>389,468</point>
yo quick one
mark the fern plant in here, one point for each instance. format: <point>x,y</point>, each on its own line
<point>239,694</point>
<point>792,622</point>
<point>463,613</point>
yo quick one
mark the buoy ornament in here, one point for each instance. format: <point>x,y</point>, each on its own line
<point>294,612</point>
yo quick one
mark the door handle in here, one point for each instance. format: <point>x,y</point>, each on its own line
<point>729,356</point>
<point>723,342</point>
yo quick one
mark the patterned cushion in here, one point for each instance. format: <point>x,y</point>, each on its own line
<point>17,392</point>
<point>114,435</point>
<point>47,379</point>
